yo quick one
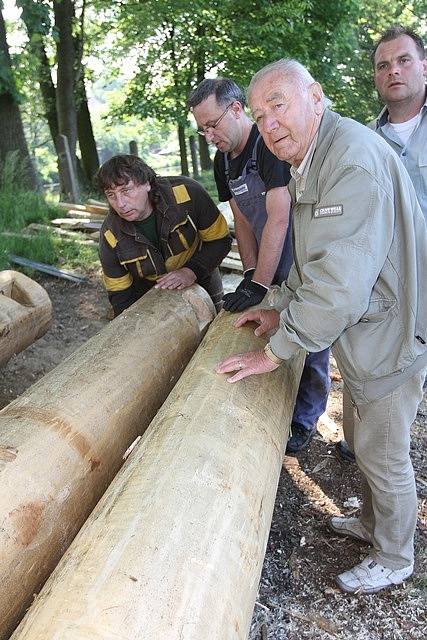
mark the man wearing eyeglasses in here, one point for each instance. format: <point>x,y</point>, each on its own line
<point>254,182</point>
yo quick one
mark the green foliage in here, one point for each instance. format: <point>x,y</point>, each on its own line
<point>180,43</point>
<point>207,180</point>
<point>7,82</point>
<point>147,56</point>
<point>40,248</point>
<point>38,16</point>
<point>18,208</point>
<point>18,205</point>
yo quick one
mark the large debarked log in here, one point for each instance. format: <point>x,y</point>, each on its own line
<point>25,313</point>
<point>174,549</point>
<point>62,441</point>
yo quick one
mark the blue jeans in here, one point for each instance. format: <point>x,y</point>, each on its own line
<point>313,390</point>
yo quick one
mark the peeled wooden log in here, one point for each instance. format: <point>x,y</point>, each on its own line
<point>92,217</point>
<point>92,207</point>
<point>77,223</point>
<point>174,549</point>
<point>62,441</point>
<point>25,313</point>
<point>101,209</point>
<point>71,205</point>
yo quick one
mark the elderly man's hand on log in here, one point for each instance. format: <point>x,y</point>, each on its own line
<point>246,364</point>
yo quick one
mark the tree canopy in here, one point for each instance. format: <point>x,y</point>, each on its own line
<point>158,50</point>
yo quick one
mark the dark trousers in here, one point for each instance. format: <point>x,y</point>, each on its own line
<point>313,390</point>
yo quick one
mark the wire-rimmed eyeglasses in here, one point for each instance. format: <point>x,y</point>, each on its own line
<point>211,127</point>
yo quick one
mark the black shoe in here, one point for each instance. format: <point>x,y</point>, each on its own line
<point>300,437</point>
<point>344,452</point>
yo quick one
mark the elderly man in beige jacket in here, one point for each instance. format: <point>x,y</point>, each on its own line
<point>360,257</point>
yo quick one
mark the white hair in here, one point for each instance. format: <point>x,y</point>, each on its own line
<point>291,69</point>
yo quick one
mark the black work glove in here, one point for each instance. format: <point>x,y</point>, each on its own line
<point>247,275</point>
<point>247,294</point>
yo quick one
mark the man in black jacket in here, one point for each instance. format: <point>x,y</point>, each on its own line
<point>254,182</point>
<point>162,232</point>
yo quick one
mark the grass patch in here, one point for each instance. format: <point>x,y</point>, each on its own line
<point>20,207</point>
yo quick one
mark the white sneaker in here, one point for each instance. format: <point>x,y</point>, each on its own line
<point>350,527</point>
<point>369,577</point>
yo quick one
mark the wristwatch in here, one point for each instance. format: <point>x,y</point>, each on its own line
<point>272,356</point>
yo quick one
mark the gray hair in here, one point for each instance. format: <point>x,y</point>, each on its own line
<point>225,91</point>
<point>290,68</point>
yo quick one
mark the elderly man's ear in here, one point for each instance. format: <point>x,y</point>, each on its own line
<point>317,95</point>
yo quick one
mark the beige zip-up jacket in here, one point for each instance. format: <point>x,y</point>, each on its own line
<point>359,278</point>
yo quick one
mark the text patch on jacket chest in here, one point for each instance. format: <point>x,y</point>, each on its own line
<point>328,212</point>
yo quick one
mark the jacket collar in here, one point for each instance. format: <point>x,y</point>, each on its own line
<point>383,116</point>
<point>165,195</point>
<point>326,133</point>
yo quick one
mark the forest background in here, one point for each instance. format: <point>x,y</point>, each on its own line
<point>107,73</point>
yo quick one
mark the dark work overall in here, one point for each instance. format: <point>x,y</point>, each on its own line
<point>249,193</point>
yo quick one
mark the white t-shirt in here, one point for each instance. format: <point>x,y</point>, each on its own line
<point>404,129</point>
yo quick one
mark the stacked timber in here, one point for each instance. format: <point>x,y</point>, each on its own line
<point>174,549</point>
<point>91,207</point>
<point>25,313</point>
<point>64,439</point>
<point>82,224</point>
<point>83,217</point>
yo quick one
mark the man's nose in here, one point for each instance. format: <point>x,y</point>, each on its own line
<point>270,124</point>
<point>394,68</point>
<point>209,134</point>
<point>119,199</point>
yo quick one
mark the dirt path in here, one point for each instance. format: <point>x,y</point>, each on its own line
<point>297,597</point>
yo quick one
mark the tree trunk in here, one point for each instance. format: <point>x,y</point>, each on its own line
<point>65,87</point>
<point>87,144</point>
<point>193,151</point>
<point>12,137</point>
<point>205,158</point>
<point>47,87</point>
<point>133,148</point>
<point>183,151</point>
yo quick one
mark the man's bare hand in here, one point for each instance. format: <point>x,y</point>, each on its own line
<point>268,320</point>
<point>179,279</point>
<point>246,364</point>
